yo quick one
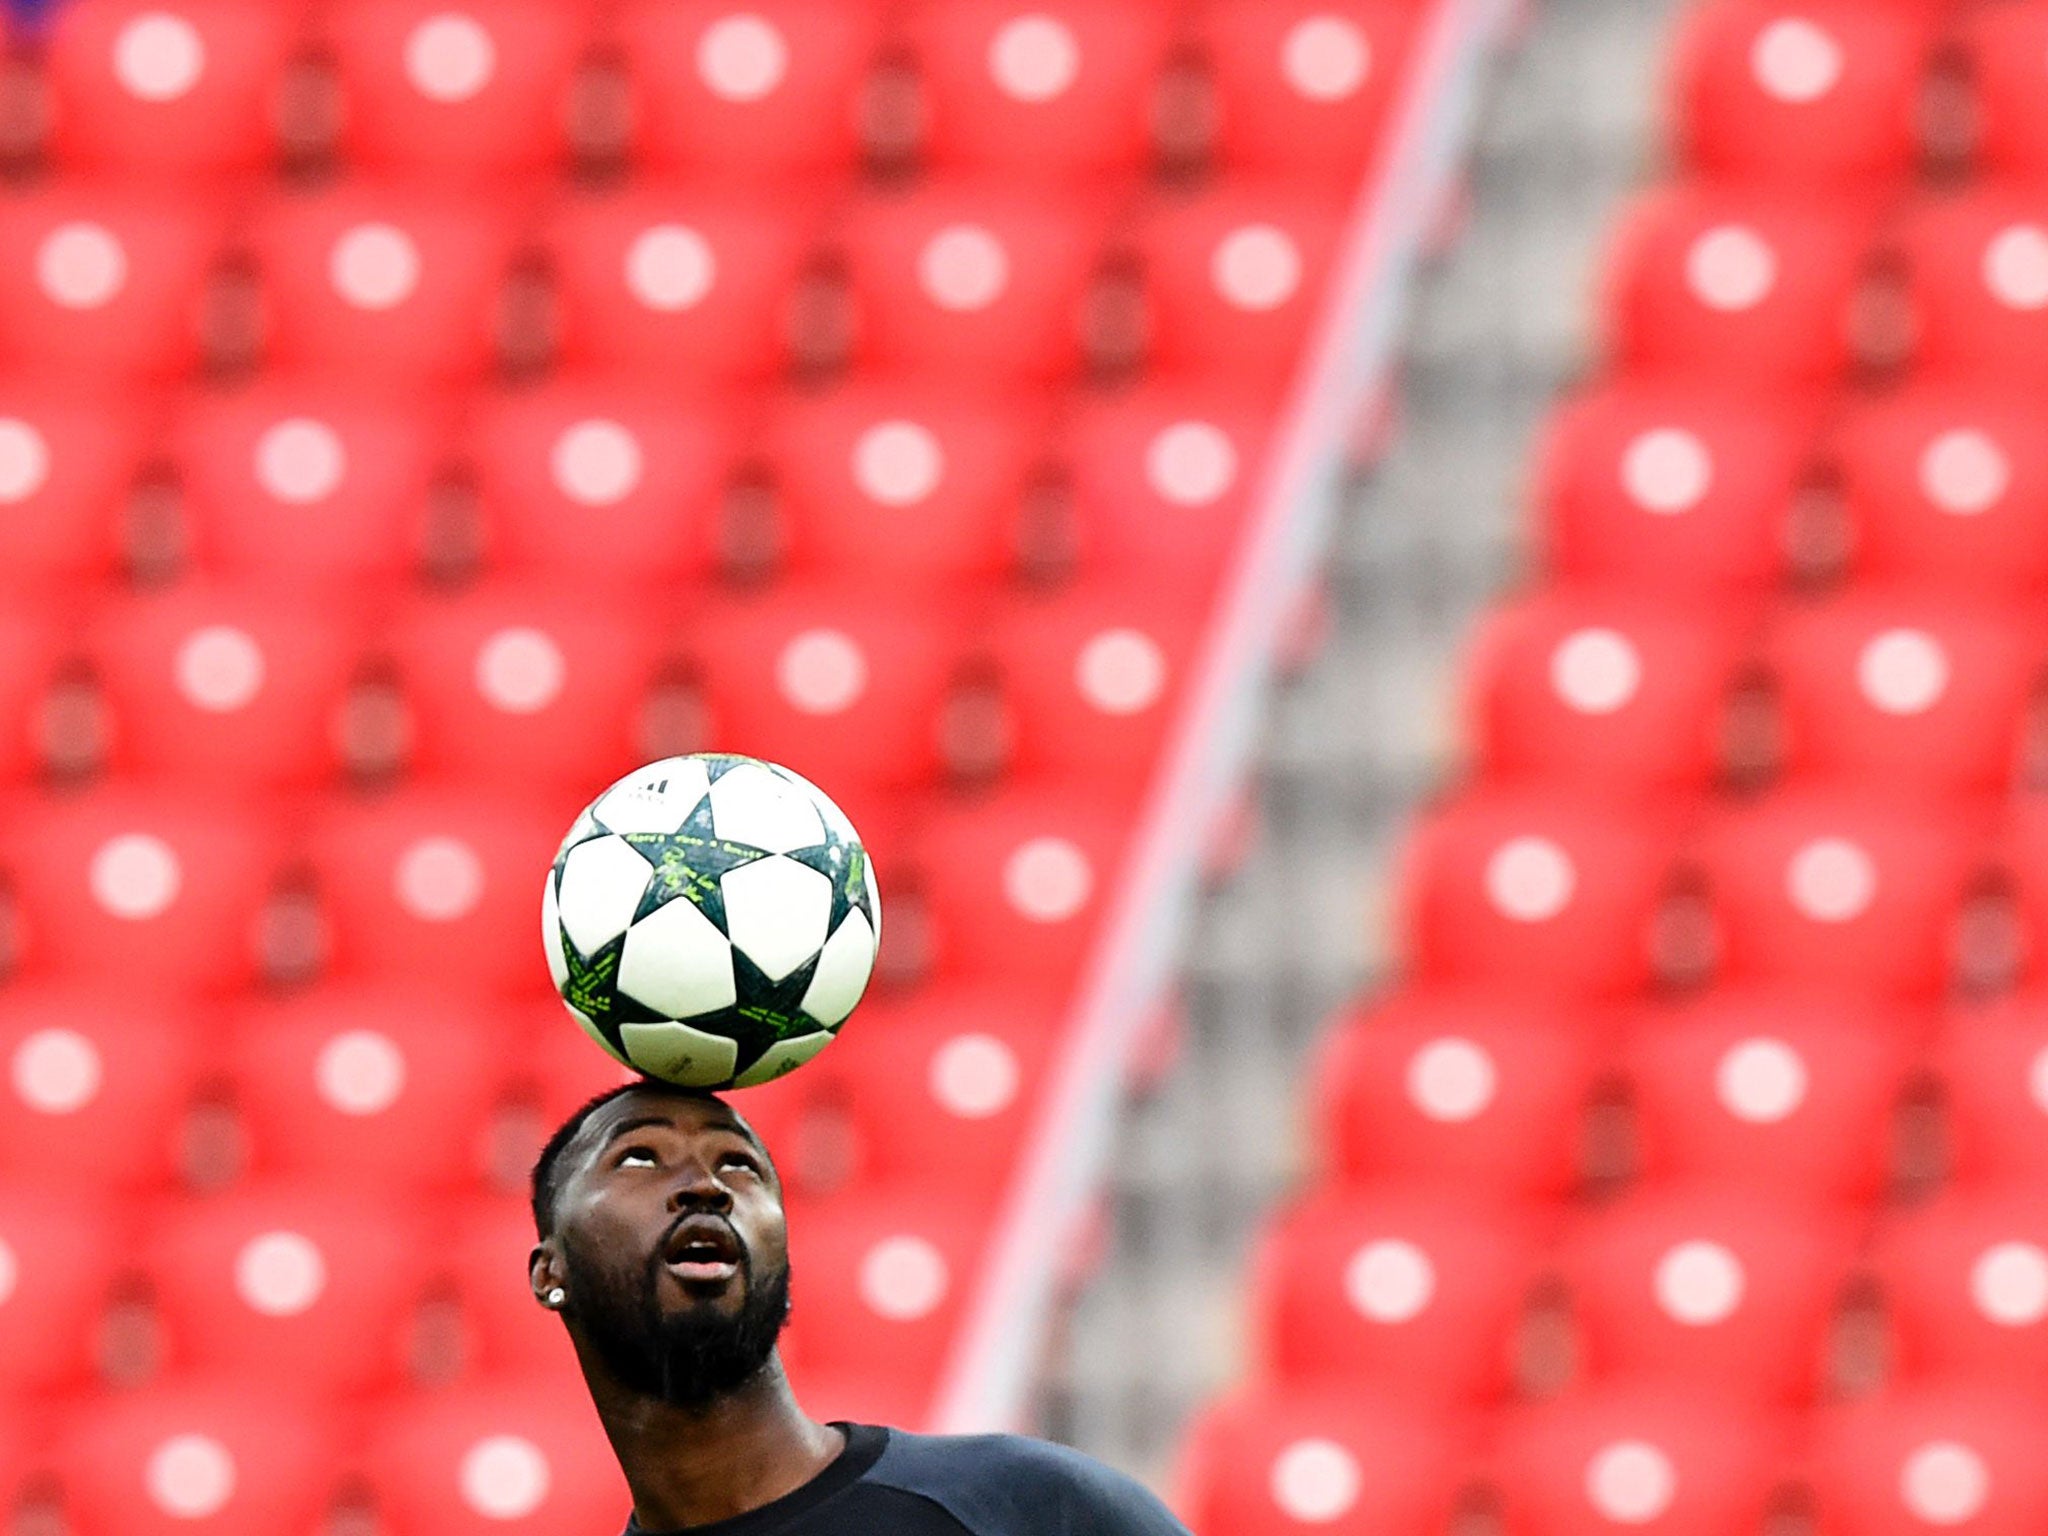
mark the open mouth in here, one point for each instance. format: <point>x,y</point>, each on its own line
<point>702,1250</point>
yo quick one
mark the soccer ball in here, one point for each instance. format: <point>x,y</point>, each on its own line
<point>711,920</point>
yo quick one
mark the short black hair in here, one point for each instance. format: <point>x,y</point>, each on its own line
<point>546,1179</point>
<point>547,1174</point>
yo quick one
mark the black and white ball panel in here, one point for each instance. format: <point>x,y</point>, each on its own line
<point>711,920</point>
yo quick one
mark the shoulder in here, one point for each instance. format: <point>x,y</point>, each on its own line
<point>999,1484</point>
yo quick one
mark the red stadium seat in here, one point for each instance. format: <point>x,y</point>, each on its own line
<point>2022,856</point>
<point>170,882</point>
<point>198,1457</point>
<point>1063,90</point>
<point>60,1254</point>
<point>1093,677</point>
<point>479,91</point>
<point>1905,689</point>
<point>506,1332</point>
<point>1949,1457</point>
<point>1651,1456</point>
<point>1837,888</point>
<point>189,87</point>
<point>2005,45</point>
<point>1712,1287</point>
<point>610,479</point>
<point>426,882</point>
<point>1161,477</point>
<point>97,1088</point>
<point>1480,1091</point>
<point>1946,483</point>
<point>102,281</point>
<point>1234,278</point>
<point>1965,1284</point>
<point>1281,1461</point>
<point>1678,487</point>
<point>309,1286</point>
<point>224,685</point>
<point>1303,88</point>
<point>1977,273</point>
<point>976,280</point>
<point>1395,1286</point>
<point>1550,889</point>
<point>883,1284</point>
<point>31,646</point>
<point>1823,95</point>
<point>391,1089</point>
<point>543,680</point>
<point>899,481</point>
<point>842,691</point>
<point>940,1089</point>
<point>68,461</point>
<point>661,278</point>
<point>512,1457</point>
<point>313,482</point>
<point>1788,1094</point>
<point>1992,1062</point>
<point>383,282</point>
<point>1735,284</point>
<point>1602,688</point>
<point>557,1070</point>
<point>769,90</point>
<point>1018,882</point>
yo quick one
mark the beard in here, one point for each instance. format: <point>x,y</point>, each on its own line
<point>687,1359</point>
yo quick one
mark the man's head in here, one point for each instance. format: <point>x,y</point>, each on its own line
<point>660,1222</point>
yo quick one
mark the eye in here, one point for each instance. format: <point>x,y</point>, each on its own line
<point>744,1160</point>
<point>643,1156</point>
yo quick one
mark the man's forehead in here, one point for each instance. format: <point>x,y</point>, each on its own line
<point>651,1104</point>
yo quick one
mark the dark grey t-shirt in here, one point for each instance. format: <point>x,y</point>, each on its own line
<point>890,1483</point>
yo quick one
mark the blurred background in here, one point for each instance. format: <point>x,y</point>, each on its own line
<point>1432,610</point>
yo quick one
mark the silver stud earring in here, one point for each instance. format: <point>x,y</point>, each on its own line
<point>556,1297</point>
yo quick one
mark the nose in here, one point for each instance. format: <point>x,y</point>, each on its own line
<point>698,1188</point>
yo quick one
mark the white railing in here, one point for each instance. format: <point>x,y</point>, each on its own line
<point>990,1374</point>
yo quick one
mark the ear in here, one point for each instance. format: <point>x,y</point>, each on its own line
<point>546,1272</point>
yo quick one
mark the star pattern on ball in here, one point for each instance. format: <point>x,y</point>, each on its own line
<point>591,986</point>
<point>845,864</point>
<point>689,863</point>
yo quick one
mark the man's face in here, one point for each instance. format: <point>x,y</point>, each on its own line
<point>675,1257</point>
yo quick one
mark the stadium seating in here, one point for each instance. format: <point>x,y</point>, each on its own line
<point>1681,485</point>
<point>1714,1003</point>
<point>1826,96</point>
<point>197,1454</point>
<point>1302,89</point>
<point>1784,1092</point>
<point>1482,1090</point>
<point>383,281</point>
<point>456,95</point>
<point>410,416</point>
<point>1711,1286</point>
<point>377,1086</point>
<point>504,1455</point>
<point>1640,1455</point>
<point>676,276</point>
<point>308,1286</point>
<point>1383,1284</point>
<point>1949,1455</point>
<point>749,97</point>
<point>192,91</point>
<point>98,1086</point>
<point>227,684</point>
<point>1265,1463</point>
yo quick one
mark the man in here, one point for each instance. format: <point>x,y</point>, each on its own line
<point>664,1250</point>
